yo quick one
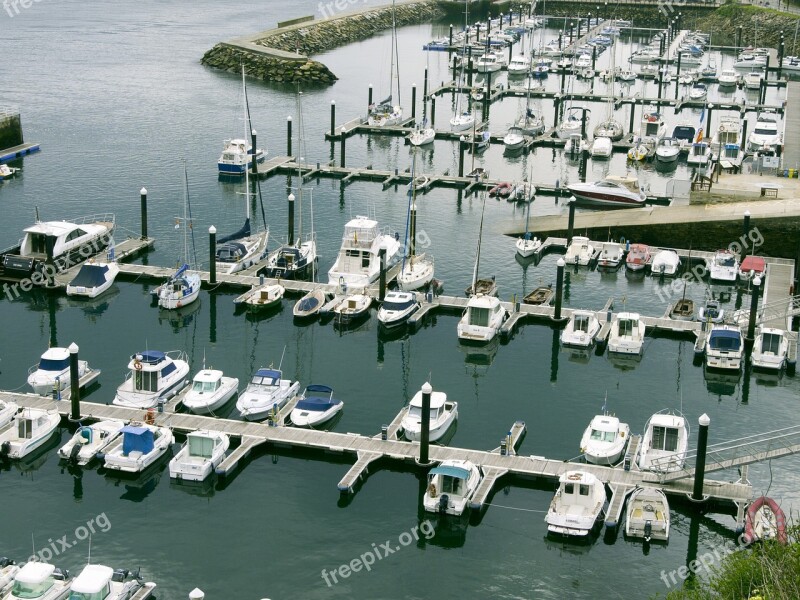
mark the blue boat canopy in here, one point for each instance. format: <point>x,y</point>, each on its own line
<point>150,357</point>
<point>725,339</point>
<point>450,471</point>
<point>317,404</point>
<point>272,373</point>
<point>136,439</point>
<point>320,389</point>
<point>90,276</point>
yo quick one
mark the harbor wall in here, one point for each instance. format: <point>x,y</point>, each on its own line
<point>760,26</point>
<point>10,130</point>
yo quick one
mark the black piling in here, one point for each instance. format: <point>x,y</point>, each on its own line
<point>594,57</point>
<point>556,103</point>
<point>382,282</point>
<point>333,117</point>
<point>751,323</point>
<point>744,135</point>
<point>413,100</point>
<point>212,255</point>
<point>433,111</point>
<point>461,146</point>
<point>451,38</point>
<point>288,136</point>
<point>290,232</point>
<point>559,288</point>
<point>342,149</point>
<point>425,88</point>
<point>570,222</point>
<point>143,199</point>
<point>700,462</point>
<point>425,424</point>
<point>369,96</point>
<point>74,383</point>
<point>781,50</point>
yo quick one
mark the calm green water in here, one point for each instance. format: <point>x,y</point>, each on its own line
<point>117,98</point>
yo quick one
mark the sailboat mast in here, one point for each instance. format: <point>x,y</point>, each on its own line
<point>478,253</point>
<point>246,134</point>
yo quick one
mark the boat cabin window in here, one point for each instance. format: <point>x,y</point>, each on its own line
<point>625,327</point>
<point>584,491</point>
<point>25,429</point>
<point>731,151</point>
<point>415,412</point>
<point>651,129</point>
<point>204,386</point>
<point>479,317</point>
<point>452,485</point>
<point>365,258</point>
<point>73,235</point>
<point>31,590</point>
<point>145,381</point>
<point>104,593</point>
<point>569,488</point>
<point>582,324</point>
<point>664,438</point>
<point>771,342</point>
<point>258,380</point>
<point>603,436</point>
<point>765,130</point>
<point>352,253</point>
<point>200,446</point>
<point>38,243</point>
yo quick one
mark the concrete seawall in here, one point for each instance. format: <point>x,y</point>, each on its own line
<point>10,129</point>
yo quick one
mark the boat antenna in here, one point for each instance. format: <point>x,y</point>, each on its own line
<point>33,543</point>
<point>280,364</point>
<point>36,213</point>
<point>89,557</point>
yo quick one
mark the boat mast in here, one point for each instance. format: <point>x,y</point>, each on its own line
<point>478,253</point>
<point>246,133</point>
<point>395,54</point>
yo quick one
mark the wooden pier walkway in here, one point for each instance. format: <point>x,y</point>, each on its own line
<point>791,126</point>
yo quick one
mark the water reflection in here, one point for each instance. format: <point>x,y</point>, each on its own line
<point>179,318</point>
<point>93,308</point>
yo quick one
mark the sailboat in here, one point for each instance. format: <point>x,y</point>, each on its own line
<point>527,244</point>
<point>242,249</point>
<point>417,271</point>
<point>422,134</point>
<point>385,113</point>
<point>529,122</point>
<point>183,287</point>
<point>610,127</point>
<point>463,120</point>
<point>486,287</point>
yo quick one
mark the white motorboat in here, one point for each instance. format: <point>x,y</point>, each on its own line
<point>142,445</point>
<point>579,504</point>
<point>154,376</point>
<point>237,156</point>
<point>519,66</point>
<point>699,154</point>
<point>8,570</point>
<point>482,319</point>
<point>41,581</point>
<point>97,582</point>
<point>514,139</point>
<point>443,414</point>
<point>181,289</point>
<point>309,305</point>
<point>29,431</point>
<point>664,444</point>
<point>93,278</point>
<point>724,266</point>
<point>752,80</point>
<point>581,329</point>
<point>8,411</point>
<point>575,145</point>
<point>666,263</point>
<point>7,172</point>
<point>422,136</point>
<point>614,190</point>
<point>53,372</point>
<point>605,439</point>
<point>316,406</point>
<point>209,392</point>
<point>49,247</point>
<point>728,78</point>
<point>353,308</point>
<point>451,485</point>
<point>648,514</point>
<point>765,134</point>
<point>611,255</point>
<point>199,456</point>
<point>580,252</point>
<point>90,441</point>
<point>583,61</point>
<point>668,150</point>
<point>261,297</point>
<point>652,126</point>
<point>791,63</point>
<point>698,91</point>
<point>711,312</point>
<point>488,63</point>
<point>601,147</point>
<point>724,348</point>
<point>358,262</point>
<point>627,334</point>
<point>396,308</point>
<point>638,257</point>
<point>727,141</point>
<point>770,349</point>
<point>266,393</point>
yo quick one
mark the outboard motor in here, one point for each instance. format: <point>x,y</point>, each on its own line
<point>5,450</point>
<point>444,502</point>
<point>73,454</point>
<point>120,575</point>
<point>60,574</point>
<point>648,530</point>
<point>5,562</point>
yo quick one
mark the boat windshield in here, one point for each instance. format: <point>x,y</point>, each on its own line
<point>765,130</point>
<point>204,386</point>
<point>200,446</point>
<point>664,438</point>
<point>725,341</point>
<point>771,343</point>
<point>258,380</point>
<point>452,485</point>
<point>31,590</point>
<point>397,306</point>
<point>582,323</point>
<point>603,436</point>
<point>101,595</point>
<point>726,260</point>
<point>625,327</point>
<point>415,412</point>
<point>57,365</point>
<point>478,316</point>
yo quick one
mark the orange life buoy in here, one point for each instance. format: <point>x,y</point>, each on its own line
<point>432,491</point>
<point>137,365</point>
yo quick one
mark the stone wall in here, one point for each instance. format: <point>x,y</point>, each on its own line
<point>10,131</point>
<point>266,67</point>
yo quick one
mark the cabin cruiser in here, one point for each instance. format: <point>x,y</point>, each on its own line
<point>154,377</point>
<point>668,150</point>
<point>358,263</point>
<point>653,126</point>
<point>488,63</point>
<point>90,441</point>
<point>482,319</point>
<point>199,456</point>
<point>97,582</point>
<point>765,134</point>
<point>647,514</point>
<point>699,154</point>
<point>210,391</point>
<point>443,414</point>
<point>712,312</point>
<point>611,255</point>
<point>451,485</point>
<point>724,348</point>
<point>752,80</point>
<point>237,156</point>
<point>614,190</point>
<point>53,368</point>
<point>666,263</point>
<point>770,349</point>
<point>664,444</point>
<point>142,445</point>
<point>638,257</point>
<point>728,78</point>
<point>29,431</point>
<point>316,406</point>
<point>605,439</point>
<point>396,308</point>
<point>579,504</point>
<point>41,581</point>
<point>627,334</point>
<point>93,278</point>
<point>8,570</point>
<point>267,393</point>
<point>582,327</point>
<point>724,266</point>
<point>519,66</point>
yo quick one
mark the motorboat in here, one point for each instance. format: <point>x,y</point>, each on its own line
<point>765,520</point>
<point>353,308</point>
<point>8,411</point>
<point>664,444</point>
<point>605,439</point>
<point>753,79</point>
<point>451,486</point>
<point>790,63</point>
<point>396,308</point>
<point>237,156</point>
<point>91,441</point>
<point>627,334</point>
<point>611,129</point>
<point>93,278</point>
<point>728,78</point>
<point>443,413</point>
<point>770,349</point>
<point>266,393</point>
<point>49,247</point>
<point>645,55</point>
<point>422,136</point>
<point>482,319</point>
<point>52,373</point>
<point>575,145</point>
<point>666,263</point>
<point>310,304</point>
<point>261,297</point>
<point>724,348</point>
<point>540,296</point>
<point>181,289</point>
<point>39,580</point>
<point>724,266</point>
<point>611,255</point>
<point>528,245</point>
<point>358,263</point>
<point>699,154</point>
<point>752,267</point>
<point>210,391</point>
<point>142,445</point>
<point>7,172</point>
<point>642,149</point>
<point>98,582</point>
<point>638,257</point>
<point>711,312</point>
<point>682,310</point>
<point>29,431</point>
<point>648,515</point>
<point>668,150</point>
<point>316,406</point>
<point>614,190</point>
<point>199,456</point>
<point>765,134</point>
<point>154,377</point>
<point>685,135</point>
<point>581,330</point>
<point>578,506</point>
<point>488,63</point>
<point>729,131</point>
<point>601,147</point>
<point>518,66</point>
<point>653,126</point>
<point>698,91</point>
<point>580,251</point>
<point>583,61</point>
<point>514,139</point>
<point>8,569</point>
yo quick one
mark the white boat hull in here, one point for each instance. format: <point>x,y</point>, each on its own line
<point>136,462</point>
<point>305,418</point>
<point>202,404</point>
<point>412,428</point>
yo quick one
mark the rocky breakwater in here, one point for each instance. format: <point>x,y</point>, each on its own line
<point>282,55</point>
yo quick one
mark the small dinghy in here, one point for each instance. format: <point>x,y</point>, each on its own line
<point>41,581</point>
<point>541,296</point>
<point>711,312</point>
<point>451,485</point>
<point>579,504</point>
<point>210,391</point>
<point>765,520</point>
<point>30,430</point>
<point>199,456</point>
<point>682,310</point>
<point>317,406</point>
<point>605,439</point>
<point>53,366</point>
<point>443,414</point>
<point>93,279</point>
<point>487,287</point>
<point>262,297</point>
<point>648,515</point>
<point>309,305</point>
<point>90,441</point>
<point>352,309</point>
<point>142,445</point>
<point>98,582</point>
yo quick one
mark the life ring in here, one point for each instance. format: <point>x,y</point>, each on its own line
<point>432,490</point>
<point>574,477</point>
<point>137,365</point>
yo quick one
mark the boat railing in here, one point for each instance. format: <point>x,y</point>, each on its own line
<point>95,218</point>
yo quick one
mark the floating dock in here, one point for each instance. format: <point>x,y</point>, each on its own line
<point>18,151</point>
